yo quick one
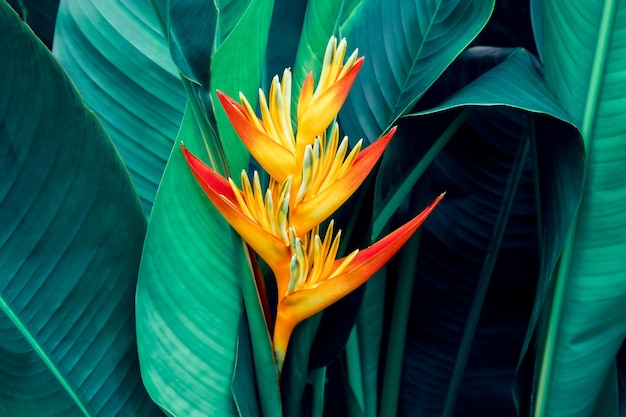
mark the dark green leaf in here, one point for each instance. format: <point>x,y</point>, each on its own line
<point>70,242</point>
<point>473,170</point>
<point>190,29</point>
<point>40,15</point>
<point>407,45</point>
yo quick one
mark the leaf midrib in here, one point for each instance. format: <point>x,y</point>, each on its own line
<point>32,341</point>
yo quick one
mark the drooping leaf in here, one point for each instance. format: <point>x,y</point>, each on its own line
<point>584,47</point>
<point>120,62</point>
<point>474,173</point>
<point>407,45</point>
<point>70,242</point>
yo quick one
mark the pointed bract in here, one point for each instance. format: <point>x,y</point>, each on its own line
<point>277,160</point>
<point>272,249</point>
<point>306,301</point>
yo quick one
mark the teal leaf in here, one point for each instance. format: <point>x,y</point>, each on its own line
<point>70,244</point>
<point>407,45</point>
<point>40,16</point>
<point>189,27</point>
<point>120,62</point>
<point>584,48</point>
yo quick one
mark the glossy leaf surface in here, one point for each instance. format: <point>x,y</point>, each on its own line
<point>120,62</point>
<point>189,295</point>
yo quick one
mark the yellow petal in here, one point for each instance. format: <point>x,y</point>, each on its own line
<point>322,109</point>
<point>309,213</point>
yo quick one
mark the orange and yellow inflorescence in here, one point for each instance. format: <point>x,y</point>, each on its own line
<point>312,173</point>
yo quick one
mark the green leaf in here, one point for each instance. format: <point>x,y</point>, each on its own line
<point>70,242</point>
<point>189,300</point>
<point>323,19</point>
<point>284,36</point>
<point>120,62</point>
<point>584,47</point>
<point>407,45</point>
<point>234,71</point>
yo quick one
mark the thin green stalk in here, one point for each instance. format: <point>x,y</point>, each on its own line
<point>389,208</point>
<point>268,378</point>
<point>536,183</point>
<point>399,319</point>
<point>485,277</point>
<point>319,385</point>
<point>596,80</point>
<point>556,310</point>
<point>355,374</point>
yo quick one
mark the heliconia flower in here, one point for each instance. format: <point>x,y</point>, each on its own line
<point>271,139</point>
<point>318,280</point>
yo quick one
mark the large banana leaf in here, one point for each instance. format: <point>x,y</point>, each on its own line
<point>120,61</point>
<point>584,51</point>
<point>70,240</point>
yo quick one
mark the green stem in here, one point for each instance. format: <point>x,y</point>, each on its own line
<point>355,374</point>
<point>400,318</point>
<point>405,188</point>
<point>319,385</point>
<point>264,363</point>
<point>485,277</point>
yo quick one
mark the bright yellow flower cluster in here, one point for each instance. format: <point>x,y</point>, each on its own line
<point>312,173</point>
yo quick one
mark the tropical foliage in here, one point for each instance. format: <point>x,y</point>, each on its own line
<point>125,291</point>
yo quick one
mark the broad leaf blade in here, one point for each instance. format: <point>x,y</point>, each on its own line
<point>189,300</point>
<point>584,47</point>
<point>120,62</point>
<point>70,241</point>
<point>407,45</point>
<point>322,20</point>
